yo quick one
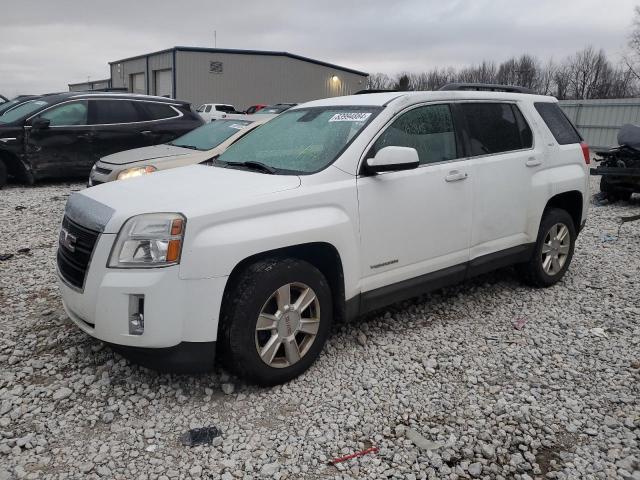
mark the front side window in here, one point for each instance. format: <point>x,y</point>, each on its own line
<point>22,110</point>
<point>207,109</point>
<point>302,141</point>
<point>67,114</point>
<point>428,129</point>
<point>108,112</point>
<point>210,135</point>
<point>492,128</point>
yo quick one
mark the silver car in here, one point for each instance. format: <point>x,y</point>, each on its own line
<point>197,146</point>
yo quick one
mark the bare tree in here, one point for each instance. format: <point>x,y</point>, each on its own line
<point>379,81</point>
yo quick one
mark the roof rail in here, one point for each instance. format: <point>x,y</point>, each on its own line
<point>364,92</point>
<point>490,87</point>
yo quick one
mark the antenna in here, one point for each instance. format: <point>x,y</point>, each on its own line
<point>215,39</point>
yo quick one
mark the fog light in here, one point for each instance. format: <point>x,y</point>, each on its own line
<point>136,314</point>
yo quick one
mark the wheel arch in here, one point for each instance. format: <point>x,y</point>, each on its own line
<point>570,201</point>
<point>322,255</point>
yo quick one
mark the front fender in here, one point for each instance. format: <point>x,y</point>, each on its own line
<point>216,249</point>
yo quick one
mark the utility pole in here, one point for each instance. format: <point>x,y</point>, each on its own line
<point>215,39</point>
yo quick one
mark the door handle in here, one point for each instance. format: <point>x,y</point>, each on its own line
<point>456,176</point>
<point>533,162</point>
<point>87,136</point>
<point>146,132</point>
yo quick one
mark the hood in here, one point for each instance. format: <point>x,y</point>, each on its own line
<point>146,153</point>
<point>194,191</point>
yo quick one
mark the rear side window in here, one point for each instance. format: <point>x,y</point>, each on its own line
<point>225,108</point>
<point>428,129</point>
<point>108,112</point>
<point>158,111</point>
<point>561,127</point>
<point>495,128</point>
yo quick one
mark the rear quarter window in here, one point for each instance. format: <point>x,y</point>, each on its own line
<point>560,126</point>
<point>158,111</point>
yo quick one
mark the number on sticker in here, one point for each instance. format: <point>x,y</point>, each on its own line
<point>350,117</point>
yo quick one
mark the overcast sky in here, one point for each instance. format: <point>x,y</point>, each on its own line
<point>44,45</point>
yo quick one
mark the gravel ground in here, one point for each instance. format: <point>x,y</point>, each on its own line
<point>443,386</point>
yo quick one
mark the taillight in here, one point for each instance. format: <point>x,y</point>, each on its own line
<point>586,153</point>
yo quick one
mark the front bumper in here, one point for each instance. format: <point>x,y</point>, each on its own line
<point>176,310</point>
<point>186,357</point>
<point>102,173</point>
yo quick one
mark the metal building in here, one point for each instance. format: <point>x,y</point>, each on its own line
<point>104,84</point>
<point>238,77</point>
<point>599,120</point>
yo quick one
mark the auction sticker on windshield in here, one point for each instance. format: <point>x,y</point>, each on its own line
<point>350,117</point>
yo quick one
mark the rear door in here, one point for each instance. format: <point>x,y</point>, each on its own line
<point>116,127</point>
<point>62,148</point>
<point>500,142</point>
<point>165,122</point>
<point>417,221</point>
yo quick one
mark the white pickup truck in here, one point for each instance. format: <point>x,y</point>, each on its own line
<point>216,111</point>
<point>334,208</point>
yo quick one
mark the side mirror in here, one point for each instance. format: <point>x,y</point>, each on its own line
<point>393,159</point>
<point>40,123</point>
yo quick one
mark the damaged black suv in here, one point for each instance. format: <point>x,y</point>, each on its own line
<point>62,135</point>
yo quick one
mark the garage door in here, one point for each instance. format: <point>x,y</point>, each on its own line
<point>138,83</point>
<point>163,83</point>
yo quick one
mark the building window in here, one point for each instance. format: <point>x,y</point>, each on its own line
<point>215,67</point>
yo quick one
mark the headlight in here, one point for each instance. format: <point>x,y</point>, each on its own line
<point>149,240</point>
<point>136,172</point>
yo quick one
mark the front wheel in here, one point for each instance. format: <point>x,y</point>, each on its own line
<point>553,250</point>
<point>276,320</point>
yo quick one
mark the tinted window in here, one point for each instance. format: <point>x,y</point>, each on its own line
<point>114,111</point>
<point>73,113</point>
<point>225,108</point>
<point>526,136</point>
<point>492,128</point>
<point>210,135</point>
<point>560,126</point>
<point>158,111</point>
<point>427,129</point>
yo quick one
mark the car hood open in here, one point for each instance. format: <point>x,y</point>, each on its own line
<point>153,152</point>
<point>194,191</point>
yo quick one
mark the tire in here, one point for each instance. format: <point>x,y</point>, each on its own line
<point>612,192</point>
<point>255,293</point>
<point>3,174</point>
<point>534,272</point>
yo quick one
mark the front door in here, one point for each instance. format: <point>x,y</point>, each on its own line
<point>417,222</point>
<point>60,148</point>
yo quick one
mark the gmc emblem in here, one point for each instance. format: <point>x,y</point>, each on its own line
<point>67,240</point>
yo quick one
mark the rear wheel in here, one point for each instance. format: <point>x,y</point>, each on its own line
<point>553,250</point>
<point>275,321</point>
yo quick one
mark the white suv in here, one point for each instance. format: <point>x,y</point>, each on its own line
<point>334,208</point>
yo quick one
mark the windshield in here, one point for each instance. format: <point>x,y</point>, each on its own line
<point>301,141</point>
<point>21,110</point>
<point>210,135</point>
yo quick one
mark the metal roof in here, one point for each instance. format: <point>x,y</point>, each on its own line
<point>244,52</point>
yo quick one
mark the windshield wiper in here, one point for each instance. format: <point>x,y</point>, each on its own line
<point>253,165</point>
<point>190,147</point>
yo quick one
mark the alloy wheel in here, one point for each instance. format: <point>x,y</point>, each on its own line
<point>287,325</point>
<point>555,249</point>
